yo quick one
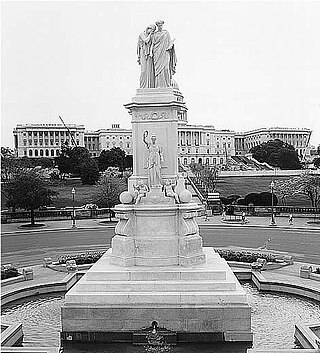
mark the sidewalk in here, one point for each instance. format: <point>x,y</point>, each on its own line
<point>212,220</point>
<point>298,222</point>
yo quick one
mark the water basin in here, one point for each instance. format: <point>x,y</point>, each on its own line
<point>273,318</point>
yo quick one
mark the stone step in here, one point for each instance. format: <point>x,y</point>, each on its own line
<point>102,274</point>
<point>198,298</point>
<point>155,286</point>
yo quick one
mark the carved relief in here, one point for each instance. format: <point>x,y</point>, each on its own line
<point>123,226</point>
<point>152,116</point>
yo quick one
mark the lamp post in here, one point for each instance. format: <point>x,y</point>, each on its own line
<point>73,192</point>
<point>272,222</point>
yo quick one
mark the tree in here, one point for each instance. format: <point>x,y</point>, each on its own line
<point>29,190</point>
<point>89,172</point>
<point>115,157</point>
<point>277,153</point>
<point>77,160</point>
<point>108,190</point>
<point>305,184</point>
<point>310,187</point>
<point>8,163</point>
<point>287,188</point>
<point>316,162</point>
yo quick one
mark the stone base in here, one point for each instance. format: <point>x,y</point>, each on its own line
<point>113,301</point>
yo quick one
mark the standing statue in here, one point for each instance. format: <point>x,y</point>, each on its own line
<point>155,157</point>
<point>145,57</point>
<point>164,56</point>
<point>156,55</point>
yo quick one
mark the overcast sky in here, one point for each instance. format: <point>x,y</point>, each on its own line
<point>241,65</point>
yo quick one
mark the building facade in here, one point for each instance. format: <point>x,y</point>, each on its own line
<point>204,144</point>
<point>45,140</point>
<point>196,143</point>
<point>298,138</point>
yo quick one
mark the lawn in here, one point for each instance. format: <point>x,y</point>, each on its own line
<point>245,185</point>
<point>225,186</point>
<point>84,193</point>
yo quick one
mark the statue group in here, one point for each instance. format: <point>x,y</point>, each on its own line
<point>157,57</point>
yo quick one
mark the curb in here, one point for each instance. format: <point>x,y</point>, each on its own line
<point>257,226</point>
<point>17,232</point>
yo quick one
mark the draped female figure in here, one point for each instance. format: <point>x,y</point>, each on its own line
<point>144,58</point>
<point>164,57</point>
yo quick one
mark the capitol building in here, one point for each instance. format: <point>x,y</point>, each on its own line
<point>196,143</point>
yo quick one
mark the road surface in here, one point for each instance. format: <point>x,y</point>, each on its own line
<point>29,248</point>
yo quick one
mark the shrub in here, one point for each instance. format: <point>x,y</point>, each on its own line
<point>9,273</point>
<point>83,258</point>
<point>244,256</point>
<point>317,271</point>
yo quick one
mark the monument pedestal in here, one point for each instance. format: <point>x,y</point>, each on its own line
<point>157,269</point>
<point>111,302</point>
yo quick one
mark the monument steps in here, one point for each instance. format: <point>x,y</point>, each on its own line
<point>107,298</point>
<point>163,286</point>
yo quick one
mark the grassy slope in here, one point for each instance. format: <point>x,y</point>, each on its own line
<point>245,185</point>
<point>225,186</point>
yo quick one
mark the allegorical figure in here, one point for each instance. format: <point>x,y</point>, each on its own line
<point>145,60</point>
<point>164,57</point>
<point>155,157</point>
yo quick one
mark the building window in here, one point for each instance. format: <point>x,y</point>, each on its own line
<point>221,160</point>
<point>208,151</point>
<point>78,142</point>
<point>30,153</point>
<point>214,161</point>
<point>128,144</point>
<point>41,153</point>
<point>185,161</point>
<point>52,153</point>
<point>36,153</point>
<point>208,142</point>
<point>207,160</point>
<point>47,153</point>
<point>25,152</point>
<point>57,152</point>
<point>25,143</point>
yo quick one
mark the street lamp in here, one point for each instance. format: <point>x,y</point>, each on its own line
<point>272,222</point>
<point>73,192</point>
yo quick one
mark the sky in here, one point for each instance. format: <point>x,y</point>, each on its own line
<point>241,64</point>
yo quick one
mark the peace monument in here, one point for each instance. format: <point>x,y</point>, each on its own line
<point>157,269</point>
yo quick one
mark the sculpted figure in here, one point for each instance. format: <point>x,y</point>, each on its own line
<point>141,190</point>
<point>144,57</point>
<point>155,157</point>
<point>164,57</point>
<point>168,191</point>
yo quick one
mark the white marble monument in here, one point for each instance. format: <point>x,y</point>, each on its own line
<point>157,269</point>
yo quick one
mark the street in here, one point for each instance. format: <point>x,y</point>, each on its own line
<point>29,248</point>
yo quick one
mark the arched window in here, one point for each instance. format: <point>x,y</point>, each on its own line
<point>30,153</point>
<point>192,160</point>
<point>221,160</point>
<point>47,153</point>
<point>200,161</point>
<point>57,152</point>
<point>41,153</point>
<point>207,160</point>
<point>185,161</point>
<point>52,153</point>
<point>36,153</point>
<point>214,160</point>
